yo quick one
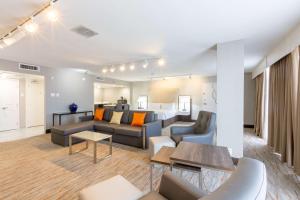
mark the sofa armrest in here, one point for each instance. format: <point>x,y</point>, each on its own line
<point>180,130</point>
<point>151,129</point>
<point>206,138</point>
<point>86,118</point>
<point>175,188</point>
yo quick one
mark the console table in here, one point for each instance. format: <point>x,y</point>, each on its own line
<point>59,114</point>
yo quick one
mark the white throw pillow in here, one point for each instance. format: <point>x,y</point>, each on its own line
<point>116,118</point>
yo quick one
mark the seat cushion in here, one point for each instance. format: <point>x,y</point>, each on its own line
<point>115,188</point>
<point>128,130</point>
<point>153,196</point>
<point>104,126</point>
<point>73,128</point>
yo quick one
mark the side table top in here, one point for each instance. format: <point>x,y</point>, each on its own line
<point>163,155</point>
<point>92,136</point>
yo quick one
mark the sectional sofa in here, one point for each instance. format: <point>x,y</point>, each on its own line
<point>122,133</point>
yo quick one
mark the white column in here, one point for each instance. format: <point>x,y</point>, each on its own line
<point>230,96</point>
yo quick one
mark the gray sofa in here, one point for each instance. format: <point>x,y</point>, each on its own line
<point>122,133</point>
<point>201,132</point>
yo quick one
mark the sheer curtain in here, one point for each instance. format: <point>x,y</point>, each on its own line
<point>259,80</point>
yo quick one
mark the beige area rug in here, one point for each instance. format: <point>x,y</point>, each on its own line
<point>35,168</point>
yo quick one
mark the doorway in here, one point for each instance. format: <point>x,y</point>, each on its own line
<point>22,105</point>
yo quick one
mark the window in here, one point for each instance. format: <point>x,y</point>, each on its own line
<point>143,102</point>
<point>184,103</point>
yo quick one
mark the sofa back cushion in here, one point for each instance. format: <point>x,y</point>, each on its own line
<point>99,113</point>
<point>116,117</point>
<point>138,119</point>
<point>150,117</point>
<point>107,114</point>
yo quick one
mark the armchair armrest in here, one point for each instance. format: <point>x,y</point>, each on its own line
<point>175,188</point>
<point>206,138</point>
<point>151,129</point>
<point>180,130</point>
<point>86,118</point>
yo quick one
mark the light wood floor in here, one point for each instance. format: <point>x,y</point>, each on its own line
<point>35,168</point>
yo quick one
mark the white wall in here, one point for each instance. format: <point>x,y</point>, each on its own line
<point>199,88</point>
<point>63,87</point>
<point>287,45</point>
<point>230,85</point>
<point>112,95</point>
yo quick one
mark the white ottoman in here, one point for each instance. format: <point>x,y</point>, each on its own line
<point>158,142</point>
<point>115,188</point>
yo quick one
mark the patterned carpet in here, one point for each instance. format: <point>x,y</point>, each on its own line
<point>35,168</point>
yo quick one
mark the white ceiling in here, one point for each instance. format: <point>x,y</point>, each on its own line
<point>183,32</point>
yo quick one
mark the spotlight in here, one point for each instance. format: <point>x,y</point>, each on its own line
<point>31,27</point>
<point>161,62</point>
<point>132,67</point>
<point>145,65</point>
<point>112,70</point>
<point>104,71</point>
<point>9,41</point>
<point>52,15</point>
<point>122,68</point>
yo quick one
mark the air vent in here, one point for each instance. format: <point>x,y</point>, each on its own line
<point>99,78</point>
<point>83,31</point>
<point>29,67</point>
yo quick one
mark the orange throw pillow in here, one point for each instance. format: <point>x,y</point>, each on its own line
<point>99,114</point>
<point>138,119</point>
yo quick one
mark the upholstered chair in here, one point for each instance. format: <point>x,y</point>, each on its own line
<point>201,132</point>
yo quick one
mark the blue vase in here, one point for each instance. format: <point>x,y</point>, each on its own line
<point>73,107</point>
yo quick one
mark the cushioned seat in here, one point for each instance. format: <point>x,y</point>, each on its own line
<point>103,126</point>
<point>73,128</point>
<point>128,130</point>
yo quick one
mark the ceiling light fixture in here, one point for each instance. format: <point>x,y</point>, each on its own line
<point>112,69</point>
<point>104,71</point>
<point>161,62</point>
<point>52,14</point>
<point>31,26</point>
<point>132,67</point>
<point>145,65</point>
<point>122,68</point>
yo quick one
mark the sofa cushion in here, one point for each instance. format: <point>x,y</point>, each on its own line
<point>107,114</point>
<point>104,126</point>
<point>202,123</point>
<point>73,128</point>
<point>150,117</point>
<point>116,117</point>
<point>125,117</point>
<point>129,130</point>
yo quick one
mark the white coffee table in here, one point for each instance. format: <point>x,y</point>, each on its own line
<point>93,137</point>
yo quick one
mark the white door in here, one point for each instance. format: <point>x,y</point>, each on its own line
<point>34,103</point>
<point>9,104</point>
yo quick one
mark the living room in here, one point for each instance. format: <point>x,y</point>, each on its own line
<point>134,100</point>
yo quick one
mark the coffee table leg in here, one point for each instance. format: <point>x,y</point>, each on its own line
<point>151,176</point>
<point>70,144</point>
<point>200,179</point>
<point>95,152</point>
<point>110,146</point>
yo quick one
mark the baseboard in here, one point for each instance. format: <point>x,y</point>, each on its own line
<point>48,131</point>
<point>248,126</point>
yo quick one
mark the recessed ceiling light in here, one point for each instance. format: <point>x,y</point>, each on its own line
<point>145,65</point>
<point>9,41</point>
<point>132,67</point>
<point>104,71</point>
<point>122,68</point>
<point>161,62</point>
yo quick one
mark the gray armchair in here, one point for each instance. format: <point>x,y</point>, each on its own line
<point>201,132</point>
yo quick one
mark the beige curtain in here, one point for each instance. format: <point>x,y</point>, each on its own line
<point>281,108</point>
<point>297,126</point>
<point>259,80</point>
